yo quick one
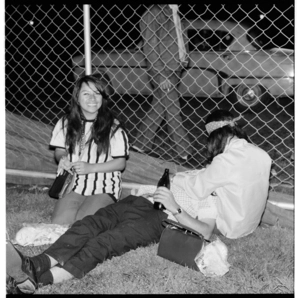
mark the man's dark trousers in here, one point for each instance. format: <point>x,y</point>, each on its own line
<point>111,231</point>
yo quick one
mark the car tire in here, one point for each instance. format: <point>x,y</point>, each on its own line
<point>244,97</point>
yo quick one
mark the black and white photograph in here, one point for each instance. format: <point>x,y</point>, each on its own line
<point>149,148</point>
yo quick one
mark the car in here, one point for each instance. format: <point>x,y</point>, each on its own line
<point>226,59</point>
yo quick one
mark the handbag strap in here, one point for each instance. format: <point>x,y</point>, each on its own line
<point>81,149</point>
<point>82,145</point>
<point>175,224</point>
<point>83,139</point>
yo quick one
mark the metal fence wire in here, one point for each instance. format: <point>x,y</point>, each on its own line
<point>241,58</point>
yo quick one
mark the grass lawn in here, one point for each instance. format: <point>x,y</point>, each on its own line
<point>262,262</point>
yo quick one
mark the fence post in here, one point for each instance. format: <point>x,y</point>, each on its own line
<point>87,39</point>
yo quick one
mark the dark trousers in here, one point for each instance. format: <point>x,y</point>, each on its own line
<point>111,231</point>
<point>164,106</point>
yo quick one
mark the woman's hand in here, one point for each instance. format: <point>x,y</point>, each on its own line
<point>165,196</point>
<point>81,167</point>
<point>64,164</point>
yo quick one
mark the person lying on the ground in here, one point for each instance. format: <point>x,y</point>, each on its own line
<point>228,196</point>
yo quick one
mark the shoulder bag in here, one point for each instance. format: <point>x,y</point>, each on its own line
<point>180,244</point>
<point>63,184</point>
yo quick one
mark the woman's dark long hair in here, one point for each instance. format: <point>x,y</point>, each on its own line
<point>218,138</point>
<point>104,121</point>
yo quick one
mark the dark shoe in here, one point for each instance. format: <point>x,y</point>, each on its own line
<point>14,260</point>
<point>11,286</point>
<point>20,269</point>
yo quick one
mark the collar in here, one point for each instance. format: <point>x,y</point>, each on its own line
<point>83,119</point>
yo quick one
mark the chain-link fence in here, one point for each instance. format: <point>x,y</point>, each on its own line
<point>241,58</point>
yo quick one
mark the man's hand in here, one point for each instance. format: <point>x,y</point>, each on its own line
<point>165,85</point>
<point>165,196</point>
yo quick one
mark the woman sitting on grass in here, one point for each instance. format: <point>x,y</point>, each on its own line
<point>233,189</point>
<point>90,142</point>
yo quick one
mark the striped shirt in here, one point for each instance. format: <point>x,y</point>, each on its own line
<point>95,183</point>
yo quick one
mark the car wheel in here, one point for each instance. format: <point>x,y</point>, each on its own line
<point>244,97</point>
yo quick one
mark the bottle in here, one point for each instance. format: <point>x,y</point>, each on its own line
<point>163,181</point>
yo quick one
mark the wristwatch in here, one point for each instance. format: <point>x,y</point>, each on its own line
<point>179,210</point>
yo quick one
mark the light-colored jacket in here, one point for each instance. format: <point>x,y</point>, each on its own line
<point>240,178</point>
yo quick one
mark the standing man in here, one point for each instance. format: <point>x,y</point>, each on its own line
<point>165,51</point>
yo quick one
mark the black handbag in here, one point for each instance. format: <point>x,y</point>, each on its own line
<point>180,244</point>
<point>62,185</point>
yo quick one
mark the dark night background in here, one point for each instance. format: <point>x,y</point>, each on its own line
<point>38,57</point>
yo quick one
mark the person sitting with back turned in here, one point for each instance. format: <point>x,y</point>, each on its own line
<point>237,174</point>
<point>229,194</point>
<point>91,141</point>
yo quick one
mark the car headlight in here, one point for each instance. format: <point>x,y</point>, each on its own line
<point>288,69</point>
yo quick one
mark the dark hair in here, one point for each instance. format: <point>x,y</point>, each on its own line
<point>217,139</point>
<point>104,121</point>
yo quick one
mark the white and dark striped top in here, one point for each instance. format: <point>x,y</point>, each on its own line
<point>95,183</point>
